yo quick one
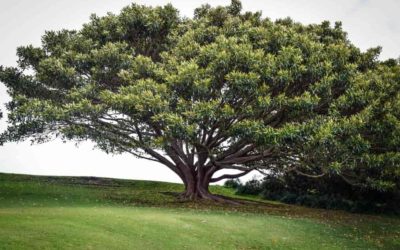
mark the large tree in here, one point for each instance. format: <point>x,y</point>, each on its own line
<point>221,90</point>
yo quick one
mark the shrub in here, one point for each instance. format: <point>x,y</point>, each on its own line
<point>232,183</point>
<point>328,193</point>
<point>252,187</point>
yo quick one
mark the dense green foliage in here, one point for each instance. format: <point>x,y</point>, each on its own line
<point>84,213</point>
<point>221,90</point>
<point>252,187</point>
<point>329,192</point>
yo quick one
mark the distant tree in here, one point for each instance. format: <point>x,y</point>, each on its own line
<point>221,90</point>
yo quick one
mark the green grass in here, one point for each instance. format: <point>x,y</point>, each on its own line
<point>96,213</point>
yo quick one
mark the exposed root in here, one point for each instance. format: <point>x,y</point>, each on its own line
<point>205,195</point>
<point>224,199</point>
<point>185,196</point>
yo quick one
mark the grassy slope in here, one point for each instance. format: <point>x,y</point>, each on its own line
<point>85,213</point>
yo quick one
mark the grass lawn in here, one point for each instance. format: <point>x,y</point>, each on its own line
<point>95,213</point>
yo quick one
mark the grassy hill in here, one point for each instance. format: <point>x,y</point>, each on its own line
<point>38,212</point>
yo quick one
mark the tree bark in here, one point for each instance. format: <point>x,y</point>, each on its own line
<point>197,188</point>
<point>196,177</point>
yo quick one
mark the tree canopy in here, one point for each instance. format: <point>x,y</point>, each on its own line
<point>225,89</point>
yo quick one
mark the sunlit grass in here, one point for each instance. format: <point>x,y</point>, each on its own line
<point>91,213</point>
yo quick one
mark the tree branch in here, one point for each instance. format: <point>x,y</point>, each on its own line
<point>231,176</point>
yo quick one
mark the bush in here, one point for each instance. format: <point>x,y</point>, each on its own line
<point>232,183</point>
<point>328,193</point>
<point>252,187</point>
<point>289,198</point>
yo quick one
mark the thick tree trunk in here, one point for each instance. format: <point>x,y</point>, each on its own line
<point>195,191</point>
<point>196,188</point>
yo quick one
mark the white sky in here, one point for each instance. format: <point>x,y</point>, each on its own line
<point>369,23</point>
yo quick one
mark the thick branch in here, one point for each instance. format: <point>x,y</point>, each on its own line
<point>231,176</point>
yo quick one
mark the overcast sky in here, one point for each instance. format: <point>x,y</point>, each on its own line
<point>369,23</point>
